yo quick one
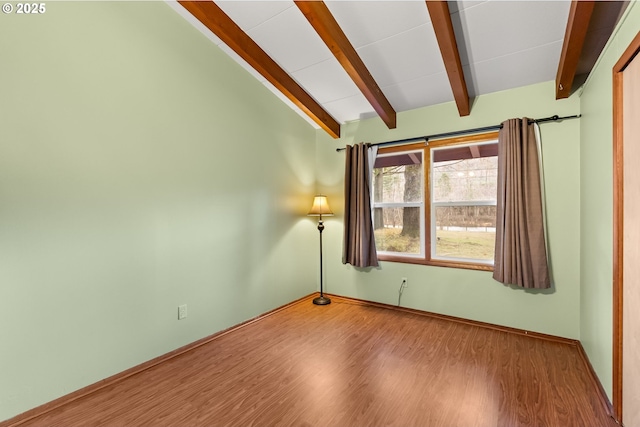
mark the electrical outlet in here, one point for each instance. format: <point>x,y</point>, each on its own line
<point>182,311</point>
<point>405,282</point>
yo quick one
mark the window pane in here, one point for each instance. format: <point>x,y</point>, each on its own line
<point>398,178</point>
<point>464,178</point>
<point>397,229</point>
<point>465,232</point>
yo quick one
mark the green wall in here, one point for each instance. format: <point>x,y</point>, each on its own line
<point>596,210</point>
<point>140,169</point>
<point>466,293</point>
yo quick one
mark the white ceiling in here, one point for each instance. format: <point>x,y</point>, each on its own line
<point>502,44</point>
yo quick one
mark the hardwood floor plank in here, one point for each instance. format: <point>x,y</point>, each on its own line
<point>350,364</point>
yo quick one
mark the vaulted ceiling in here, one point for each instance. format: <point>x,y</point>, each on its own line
<point>338,61</point>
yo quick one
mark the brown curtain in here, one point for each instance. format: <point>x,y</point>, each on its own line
<point>521,256</point>
<point>359,247</point>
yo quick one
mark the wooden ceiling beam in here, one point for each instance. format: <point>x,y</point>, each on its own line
<point>330,32</point>
<point>443,27</point>
<point>222,26</point>
<point>574,36</point>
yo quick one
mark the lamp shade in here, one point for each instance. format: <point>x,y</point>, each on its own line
<point>320,206</point>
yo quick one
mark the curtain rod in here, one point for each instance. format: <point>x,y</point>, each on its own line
<point>465,132</point>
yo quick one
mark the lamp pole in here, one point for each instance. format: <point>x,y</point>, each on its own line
<point>321,300</point>
<point>320,207</point>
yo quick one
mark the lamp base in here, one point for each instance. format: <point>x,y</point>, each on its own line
<point>322,300</point>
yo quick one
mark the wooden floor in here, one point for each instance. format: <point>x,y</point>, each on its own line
<point>348,364</point>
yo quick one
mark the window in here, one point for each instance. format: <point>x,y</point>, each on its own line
<point>398,203</point>
<point>436,204</point>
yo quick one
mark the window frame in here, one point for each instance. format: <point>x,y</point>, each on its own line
<point>421,205</point>
<point>426,243</point>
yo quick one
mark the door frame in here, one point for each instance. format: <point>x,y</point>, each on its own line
<point>618,220</point>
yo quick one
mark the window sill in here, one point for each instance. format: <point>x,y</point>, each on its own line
<point>436,263</point>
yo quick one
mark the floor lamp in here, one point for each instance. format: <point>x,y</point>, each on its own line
<point>320,207</point>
